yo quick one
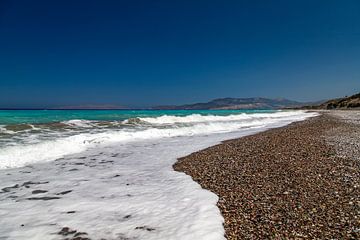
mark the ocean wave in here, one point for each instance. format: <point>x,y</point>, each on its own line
<point>20,155</point>
<point>17,128</point>
<point>3,130</point>
<point>196,118</point>
<point>133,121</point>
<point>78,123</point>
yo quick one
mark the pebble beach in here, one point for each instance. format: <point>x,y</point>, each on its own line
<point>296,182</point>
<point>109,175</point>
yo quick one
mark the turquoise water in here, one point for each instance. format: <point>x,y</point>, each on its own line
<point>50,116</point>
<point>40,135</point>
<point>109,165</point>
<point>29,126</point>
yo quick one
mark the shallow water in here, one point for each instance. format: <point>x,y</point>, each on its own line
<point>37,136</point>
<point>119,186</point>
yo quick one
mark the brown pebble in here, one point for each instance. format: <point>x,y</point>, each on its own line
<point>285,183</point>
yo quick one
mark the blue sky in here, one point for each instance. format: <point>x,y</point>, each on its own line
<point>142,53</point>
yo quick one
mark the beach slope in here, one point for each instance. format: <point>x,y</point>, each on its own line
<point>296,182</point>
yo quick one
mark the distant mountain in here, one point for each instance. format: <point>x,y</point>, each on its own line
<point>238,103</point>
<point>338,103</point>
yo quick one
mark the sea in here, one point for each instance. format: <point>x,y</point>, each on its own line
<point>107,174</point>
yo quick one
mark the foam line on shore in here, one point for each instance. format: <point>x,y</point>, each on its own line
<point>120,190</point>
<point>47,149</point>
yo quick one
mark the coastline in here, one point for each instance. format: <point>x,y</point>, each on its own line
<point>129,186</point>
<point>289,182</point>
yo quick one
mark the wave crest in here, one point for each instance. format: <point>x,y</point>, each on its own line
<point>46,150</point>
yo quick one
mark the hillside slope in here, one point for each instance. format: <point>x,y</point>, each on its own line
<point>238,103</point>
<point>339,103</point>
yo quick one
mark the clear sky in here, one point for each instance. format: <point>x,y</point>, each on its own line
<point>142,53</point>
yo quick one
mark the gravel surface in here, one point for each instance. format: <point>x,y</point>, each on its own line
<point>295,182</point>
<point>346,138</point>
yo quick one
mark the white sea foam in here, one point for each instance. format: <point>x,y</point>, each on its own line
<point>124,188</point>
<point>47,150</point>
<point>195,118</point>
<point>113,200</point>
<point>30,128</point>
<point>78,123</point>
<point>4,130</point>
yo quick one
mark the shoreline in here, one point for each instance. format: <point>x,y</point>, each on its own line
<point>129,186</point>
<point>287,182</point>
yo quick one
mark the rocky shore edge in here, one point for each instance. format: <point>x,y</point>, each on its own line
<point>296,182</point>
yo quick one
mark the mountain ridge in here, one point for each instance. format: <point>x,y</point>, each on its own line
<point>236,104</point>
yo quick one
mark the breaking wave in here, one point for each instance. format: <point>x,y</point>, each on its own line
<point>195,124</point>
